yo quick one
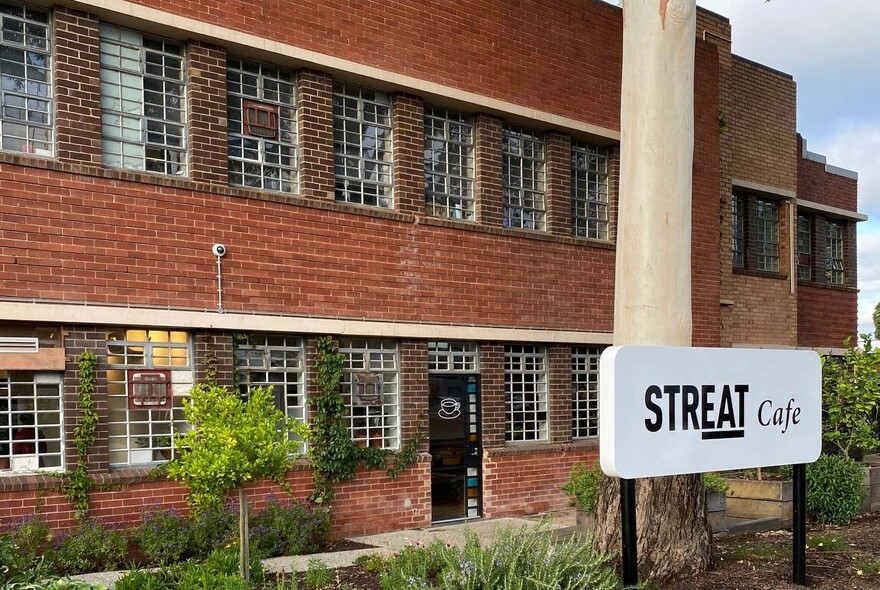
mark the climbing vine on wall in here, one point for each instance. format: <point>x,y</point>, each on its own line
<point>333,454</point>
<point>77,482</point>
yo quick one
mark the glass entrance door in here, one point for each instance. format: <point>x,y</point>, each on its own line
<point>454,410</point>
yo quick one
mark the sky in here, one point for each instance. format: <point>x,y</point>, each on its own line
<point>832,49</point>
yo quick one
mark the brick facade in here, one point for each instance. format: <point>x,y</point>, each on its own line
<point>74,232</point>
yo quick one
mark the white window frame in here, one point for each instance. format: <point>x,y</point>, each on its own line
<point>526,400</point>
<point>834,253</point>
<point>362,146</point>
<point>449,164</point>
<point>19,106</point>
<point>585,391</point>
<point>47,414</point>
<point>453,357</point>
<point>135,135</point>
<point>805,247</point>
<point>258,162</point>
<point>524,179</point>
<point>767,234</point>
<point>137,436</point>
<point>589,190</point>
<point>377,425</point>
<point>276,361</point>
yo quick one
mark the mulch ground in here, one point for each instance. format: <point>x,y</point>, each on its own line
<point>838,558</point>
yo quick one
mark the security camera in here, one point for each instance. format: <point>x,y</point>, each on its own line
<point>219,250</point>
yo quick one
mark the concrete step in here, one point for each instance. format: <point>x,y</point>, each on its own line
<point>738,526</point>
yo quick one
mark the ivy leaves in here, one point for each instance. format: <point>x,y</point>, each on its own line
<point>77,484</point>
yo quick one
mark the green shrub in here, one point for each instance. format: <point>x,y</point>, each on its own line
<point>289,528</point>
<point>850,398</point>
<point>141,580</point>
<point>524,559</point>
<point>225,561</point>
<point>317,575</point>
<point>163,536</point>
<point>91,547</point>
<point>715,483</point>
<point>53,584</point>
<point>583,485</point>
<point>834,489</point>
<point>213,527</point>
<point>29,538</point>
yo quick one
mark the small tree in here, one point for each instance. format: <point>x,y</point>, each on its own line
<point>850,396</point>
<point>231,443</point>
<point>877,320</point>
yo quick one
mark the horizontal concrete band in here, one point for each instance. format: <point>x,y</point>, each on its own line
<point>835,211</point>
<point>764,189</point>
<point>66,313</point>
<point>131,14</point>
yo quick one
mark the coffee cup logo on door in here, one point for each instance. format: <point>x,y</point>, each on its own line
<point>450,408</point>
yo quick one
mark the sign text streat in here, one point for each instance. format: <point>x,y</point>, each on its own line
<point>669,410</point>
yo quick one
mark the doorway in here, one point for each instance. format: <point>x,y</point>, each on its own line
<point>454,432</point>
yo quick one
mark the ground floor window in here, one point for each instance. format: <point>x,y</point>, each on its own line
<point>370,388</point>
<point>585,391</point>
<point>525,392</point>
<point>31,434</point>
<point>140,432</point>
<point>275,361</point>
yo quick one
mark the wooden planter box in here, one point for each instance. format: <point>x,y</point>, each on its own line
<point>750,498</point>
<point>871,485</point>
<point>716,510</point>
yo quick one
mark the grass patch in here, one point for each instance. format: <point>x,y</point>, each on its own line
<point>827,543</point>
<point>757,551</point>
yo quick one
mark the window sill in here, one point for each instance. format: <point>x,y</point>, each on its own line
<point>828,286</point>
<point>540,447</point>
<point>764,274</point>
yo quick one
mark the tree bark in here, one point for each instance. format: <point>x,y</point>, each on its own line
<point>652,303</point>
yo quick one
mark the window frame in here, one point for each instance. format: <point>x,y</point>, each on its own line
<point>585,391</point>
<point>767,235</point>
<point>460,357</point>
<point>12,433</point>
<point>381,423</point>
<point>159,442</point>
<point>524,178</point>
<point>152,52</point>
<point>835,252</point>
<point>274,158</point>
<point>590,216</point>
<point>29,144</point>
<point>353,108</point>
<point>805,248</point>
<point>526,366</point>
<point>439,172</point>
<point>277,351</point>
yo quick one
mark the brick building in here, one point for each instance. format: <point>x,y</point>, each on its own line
<point>434,188</point>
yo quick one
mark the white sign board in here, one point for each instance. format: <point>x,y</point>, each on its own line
<point>672,410</point>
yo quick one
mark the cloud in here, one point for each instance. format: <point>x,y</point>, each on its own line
<point>869,278</point>
<point>856,148</point>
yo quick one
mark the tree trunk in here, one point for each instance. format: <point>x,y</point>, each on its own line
<point>652,304</point>
<point>244,557</point>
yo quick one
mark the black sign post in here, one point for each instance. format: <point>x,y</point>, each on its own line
<point>628,532</point>
<point>799,526</point>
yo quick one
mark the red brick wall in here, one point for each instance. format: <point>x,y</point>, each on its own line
<point>563,56</point>
<point>705,247</point>
<point>528,480</point>
<point>817,185</point>
<point>826,315</point>
<point>402,503</point>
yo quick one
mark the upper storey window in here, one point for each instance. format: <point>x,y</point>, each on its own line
<point>26,102</point>
<point>449,164</point>
<point>143,119</point>
<point>589,190</point>
<point>525,205</point>
<point>834,272</point>
<point>805,248</point>
<point>362,146</point>
<point>755,225</point>
<point>262,126</point>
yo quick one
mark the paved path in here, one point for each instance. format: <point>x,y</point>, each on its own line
<point>389,543</point>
